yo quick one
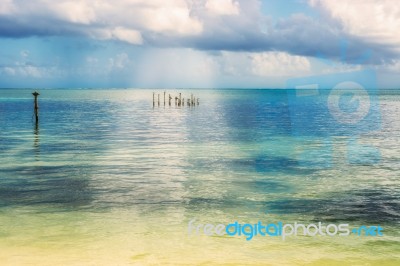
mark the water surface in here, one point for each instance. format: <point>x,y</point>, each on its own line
<point>105,178</point>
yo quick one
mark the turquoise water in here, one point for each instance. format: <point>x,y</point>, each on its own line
<point>105,178</point>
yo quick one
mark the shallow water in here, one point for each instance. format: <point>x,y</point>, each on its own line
<point>106,179</point>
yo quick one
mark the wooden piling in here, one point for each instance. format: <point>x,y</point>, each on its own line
<point>36,106</point>
<point>179,101</point>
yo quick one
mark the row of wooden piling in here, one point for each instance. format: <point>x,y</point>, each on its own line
<point>179,101</point>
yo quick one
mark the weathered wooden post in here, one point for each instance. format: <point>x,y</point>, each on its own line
<point>158,99</point>
<point>183,101</point>
<point>36,108</point>
<point>164,98</point>
<point>180,99</point>
<point>169,99</point>
<point>153,99</point>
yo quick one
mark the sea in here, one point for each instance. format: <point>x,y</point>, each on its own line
<point>109,177</point>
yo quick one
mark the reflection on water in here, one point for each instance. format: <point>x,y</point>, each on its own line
<point>110,180</point>
<point>36,141</point>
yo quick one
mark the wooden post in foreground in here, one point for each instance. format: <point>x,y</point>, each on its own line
<point>36,108</point>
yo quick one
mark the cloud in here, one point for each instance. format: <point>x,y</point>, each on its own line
<point>320,36</point>
<point>6,6</point>
<point>351,32</point>
<point>369,24</point>
<point>375,21</point>
<point>234,25</point>
<point>79,12</point>
<point>119,62</point>
<point>222,7</point>
<point>191,68</point>
<point>118,33</point>
<point>170,17</point>
<point>104,19</point>
<point>27,71</point>
<point>279,64</point>
<point>24,53</point>
<point>262,64</point>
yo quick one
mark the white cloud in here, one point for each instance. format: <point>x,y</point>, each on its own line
<point>222,7</point>
<point>377,21</point>
<point>394,67</point>
<point>24,53</point>
<point>124,20</point>
<point>337,68</point>
<point>78,11</point>
<point>234,63</point>
<point>8,71</point>
<point>119,62</point>
<point>31,71</point>
<point>279,64</point>
<point>127,35</point>
<point>6,6</point>
<point>25,71</point>
<point>174,18</point>
<point>262,64</point>
<point>92,60</point>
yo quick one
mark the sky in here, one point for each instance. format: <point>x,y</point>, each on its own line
<point>195,43</point>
